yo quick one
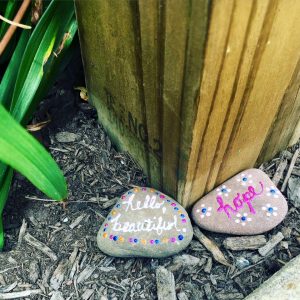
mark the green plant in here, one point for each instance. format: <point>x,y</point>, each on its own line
<point>38,56</point>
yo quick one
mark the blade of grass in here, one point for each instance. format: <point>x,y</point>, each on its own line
<point>54,66</point>
<point>4,190</point>
<point>11,8</point>
<point>22,152</point>
<point>37,52</point>
<point>10,75</point>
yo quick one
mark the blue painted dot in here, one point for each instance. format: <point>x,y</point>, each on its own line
<point>118,205</point>
<point>243,218</point>
<point>109,218</point>
<point>272,191</point>
<point>168,200</point>
<point>182,215</point>
<point>156,241</point>
<point>130,192</point>
<point>223,190</point>
<point>104,229</point>
<point>180,237</point>
<point>115,238</point>
<point>270,209</point>
<point>244,179</point>
<point>135,240</point>
<point>176,208</point>
<point>204,210</point>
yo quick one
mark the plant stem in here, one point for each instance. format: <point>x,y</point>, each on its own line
<point>12,28</point>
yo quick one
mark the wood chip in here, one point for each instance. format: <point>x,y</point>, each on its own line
<point>77,221</point>
<point>263,251</point>
<point>165,284</point>
<point>289,172</point>
<point>16,295</point>
<point>22,233</point>
<point>59,275</point>
<point>87,294</point>
<point>56,295</point>
<point>208,266</point>
<point>211,247</point>
<point>85,274</point>
<point>279,171</point>
<point>207,290</point>
<point>8,288</point>
<point>244,242</point>
<point>40,246</point>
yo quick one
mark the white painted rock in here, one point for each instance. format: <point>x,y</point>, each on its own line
<point>246,204</point>
<point>145,223</point>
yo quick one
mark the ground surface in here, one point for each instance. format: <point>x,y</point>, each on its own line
<point>96,174</point>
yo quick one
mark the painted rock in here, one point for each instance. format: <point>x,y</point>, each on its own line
<point>248,203</point>
<point>145,223</point>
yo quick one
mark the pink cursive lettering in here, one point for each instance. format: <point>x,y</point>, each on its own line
<point>239,201</point>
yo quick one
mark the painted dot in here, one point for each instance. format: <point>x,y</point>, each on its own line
<point>136,189</point>
<point>183,220</point>
<point>144,189</point>
<point>113,212</point>
<point>118,205</point>
<point>165,240</point>
<point>143,242</point>
<point>223,190</point>
<point>157,193</point>
<point>111,236</point>
<point>272,191</point>
<point>244,179</point>
<point>176,208</point>
<point>121,239</point>
<point>130,192</point>
<point>152,190</point>
<point>106,225</point>
<point>162,196</point>
<point>135,240</point>
<point>173,240</point>
<point>270,209</point>
<point>156,242</point>
<point>152,242</point>
<point>115,238</point>
<point>168,200</point>
<point>173,204</point>
<point>105,235</point>
<point>182,215</point>
<point>130,240</point>
<point>180,237</point>
<point>109,218</point>
<point>104,229</point>
<point>243,218</point>
<point>123,197</point>
<point>204,210</point>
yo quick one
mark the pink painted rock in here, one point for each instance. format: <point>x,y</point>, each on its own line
<point>246,204</point>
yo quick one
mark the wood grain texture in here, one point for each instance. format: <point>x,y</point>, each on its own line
<point>195,90</point>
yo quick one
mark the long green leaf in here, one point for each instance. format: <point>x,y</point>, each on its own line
<point>10,76</point>
<point>54,66</point>
<point>11,8</point>
<point>4,190</point>
<point>22,152</point>
<point>37,53</point>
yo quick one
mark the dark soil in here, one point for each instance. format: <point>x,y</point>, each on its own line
<point>96,174</point>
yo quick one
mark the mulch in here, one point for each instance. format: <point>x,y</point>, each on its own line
<point>51,250</point>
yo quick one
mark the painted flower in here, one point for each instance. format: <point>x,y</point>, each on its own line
<point>205,211</point>
<point>270,210</point>
<point>223,190</point>
<point>242,219</point>
<point>272,191</point>
<point>244,179</point>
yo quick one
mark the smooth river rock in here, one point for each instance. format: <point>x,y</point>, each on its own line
<point>145,223</point>
<point>247,204</point>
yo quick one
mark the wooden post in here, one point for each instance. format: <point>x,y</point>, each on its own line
<point>195,90</point>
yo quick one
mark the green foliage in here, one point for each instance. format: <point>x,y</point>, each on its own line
<point>40,54</point>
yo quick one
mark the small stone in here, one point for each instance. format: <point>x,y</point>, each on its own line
<point>242,263</point>
<point>66,137</point>
<point>246,204</point>
<point>145,223</point>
